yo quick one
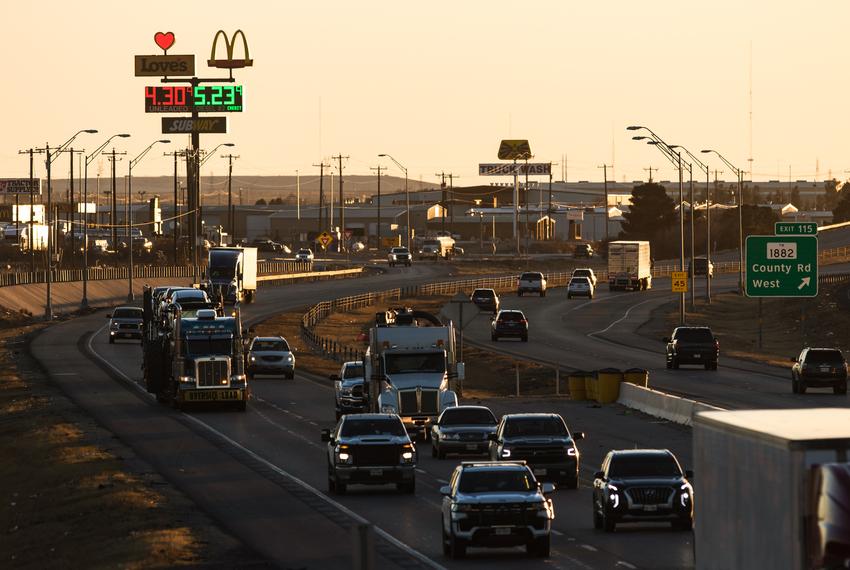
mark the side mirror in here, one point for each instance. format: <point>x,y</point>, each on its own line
<point>109,316</point>
<point>493,437</point>
<point>334,377</point>
<point>578,435</point>
<point>793,359</point>
<point>445,490</point>
<point>666,339</point>
<point>326,435</point>
<point>599,475</point>
<point>547,488</point>
<point>244,332</point>
<point>689,473</point>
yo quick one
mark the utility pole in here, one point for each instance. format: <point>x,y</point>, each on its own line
<point>321,166</point>
<point>341,243</point>
<point>176,218</point>
<point>378,169</point>
<point>650,169</point>
<point>230,213</point>
<point>451,178</point>
<point>442,176</point>
<point>48,309</point>
<point>113,216</point>
<point>604,168</point>
<point>31,232</point>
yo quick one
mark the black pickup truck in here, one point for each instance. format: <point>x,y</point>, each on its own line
<point>692,345</point>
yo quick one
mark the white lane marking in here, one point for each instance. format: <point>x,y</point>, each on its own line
<point>66,374</point>
<point>625,565</point>
<point>557,532</point>
<point>285,429</point>
<point>443,481</point>
<point>418,470</point>
<point>589,547</point>
<point>624,317</point>
<point>306,486</point>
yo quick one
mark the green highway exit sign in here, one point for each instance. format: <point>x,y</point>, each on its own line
<point>796,229</point>
<point>781,266</point>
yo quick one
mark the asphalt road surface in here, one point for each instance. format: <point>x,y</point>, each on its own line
<point>261,473</point>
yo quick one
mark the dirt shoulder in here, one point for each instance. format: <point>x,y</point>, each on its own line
<point>75,496</point>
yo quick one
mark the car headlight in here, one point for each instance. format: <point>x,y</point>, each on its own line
<point>572,451</point>
<point>387,409</point>
<point>685,494</point>
<point>290,358</point>
<point>236,378</point>
<point>506,452</point>
<point>113,326</point>
<point>451,436</point>
<point>407,453</point>
<point>343,455</point>
<point>345,391</point>
<point>253,358</point>
<point>187,379</point>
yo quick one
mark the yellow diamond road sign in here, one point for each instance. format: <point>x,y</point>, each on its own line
<point>679,281</point>
<point>325,239</point>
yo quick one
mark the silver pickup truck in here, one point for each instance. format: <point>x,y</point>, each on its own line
<point>531,282</point>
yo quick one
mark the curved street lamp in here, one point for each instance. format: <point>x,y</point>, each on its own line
<point>89,158</point>
<point>406,194</point>
<point>130,296</point>
<point>740,174</point>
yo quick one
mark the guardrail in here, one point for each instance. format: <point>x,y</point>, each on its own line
<point>97,273</point>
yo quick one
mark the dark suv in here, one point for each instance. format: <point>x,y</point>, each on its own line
<point>509,323</point>
<point>371,449</point>
<point>463,429</point>
<point>485,299</point>
<point>583,250</point>
<point>819,367</point>
<point>692,345</point>
<point>541,440</point>
<point>496,504</point>
<point>642,485</point>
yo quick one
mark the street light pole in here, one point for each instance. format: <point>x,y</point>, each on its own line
<point>88,159</point>
<point>740,174</point>
<point>130,295</point>
<point>704,168</point>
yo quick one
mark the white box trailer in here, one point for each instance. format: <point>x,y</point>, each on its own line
<point>629,265</point>
<point>756,481</point>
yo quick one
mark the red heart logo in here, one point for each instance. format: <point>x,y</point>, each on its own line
<point>165,40</point>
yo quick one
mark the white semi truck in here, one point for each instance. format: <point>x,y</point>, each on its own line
<point>411,365</point>
<point>629,266</point>
<point>231,275</point>
<point>771,489</point>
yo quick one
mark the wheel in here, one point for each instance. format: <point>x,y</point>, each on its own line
<point>291,375</point>
<point>494,338</point>
<point>519,293</point>
<point>669,364</point>
<point>457,547</point>
<point>525,338</point>
<point>597,518</point>
<point>675,364</point>
<point>539,548</point>
<point>441,453</point>
<point>447,550</point>
<point>408,487</point>
<point>543,293</point>
<point>708,366</point>
<point>111,340</point>
<point>408,264</point>
<point>840,388</point>
<point>714,365</point>
<point>684,524</point>
<point>795,387</point>
<point>801,386</point>
<point>339,487</point>
<point>608,523</point>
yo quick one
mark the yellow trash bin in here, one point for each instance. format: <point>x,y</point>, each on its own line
<point>590,385</point>
<point>637,376</point>
<point>578,391</point>
<point>608,385</point>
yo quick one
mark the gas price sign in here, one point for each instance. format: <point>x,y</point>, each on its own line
<point>187,99</point>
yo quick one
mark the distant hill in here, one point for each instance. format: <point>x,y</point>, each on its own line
<point>251,188</point>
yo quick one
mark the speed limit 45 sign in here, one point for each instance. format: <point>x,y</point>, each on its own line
<point>782,266</point>
<point>679,280</point>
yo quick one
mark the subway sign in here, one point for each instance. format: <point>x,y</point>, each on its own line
<point>188,125</point>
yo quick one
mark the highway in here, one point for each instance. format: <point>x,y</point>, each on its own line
<point>254,472</point>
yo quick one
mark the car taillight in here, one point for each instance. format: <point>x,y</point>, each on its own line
<point>525,322</point>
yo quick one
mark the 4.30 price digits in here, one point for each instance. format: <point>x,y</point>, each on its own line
<point>202,98</point>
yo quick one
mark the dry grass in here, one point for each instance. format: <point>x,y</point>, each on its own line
<point>787,324</point>
<point>507,266</point>
<point>70,500</point>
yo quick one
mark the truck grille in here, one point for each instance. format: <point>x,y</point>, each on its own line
<point>376,455</point>
<point>650,495</point>
<point>357,391</point>
<point>539,454</point>
<point>413,402</point>
<point>213,373</point>
<point>512,514</point>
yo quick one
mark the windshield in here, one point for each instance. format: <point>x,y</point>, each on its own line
<point>355,371</point>
<point>535,427</point>
<point>694,335</point>
<point>513,316</point>
<point>489,293</point>
<point>377,426</point>
<point>496,480</point>
<point>400,250</point>
<point>304,251</point>
<point>831,357</point>
<point>579,281</point>
<point>221,272</point>
<point>277,345</point>
<point>531,277</point>
<point>415,362</point>
<point>581,273</point>
<point>127,314</point>
<point>644,465</point>
<point>467,416</point>
<point>206,345</point>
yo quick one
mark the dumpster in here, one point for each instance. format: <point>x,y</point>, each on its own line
<point>578,390</point>
<point>608,385</point>
<point>637,376</point>
<point>590,385</point>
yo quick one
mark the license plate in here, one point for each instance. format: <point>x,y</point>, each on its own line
<point>211,395</point>
<point>471,446</point>
<point>650,508</point>
<point>824,368</point>
<point>540,472</point>
<point>503,531</point>
<point>697,355</point>
<point>376,472</point>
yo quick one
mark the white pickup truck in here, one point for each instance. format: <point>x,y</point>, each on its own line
<point>531,282</point>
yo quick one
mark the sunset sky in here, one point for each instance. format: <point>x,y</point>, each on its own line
<point>438,84</point>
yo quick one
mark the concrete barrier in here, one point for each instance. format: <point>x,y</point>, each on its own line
<point>661,405</point>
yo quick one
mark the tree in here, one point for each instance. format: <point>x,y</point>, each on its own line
<point>841,211</point>
<point>757,221</point>
<point>260,202</point>
<point>651,213</point>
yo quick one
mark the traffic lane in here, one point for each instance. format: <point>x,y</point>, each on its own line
<point>236,496</point>
<point>742,385</point>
